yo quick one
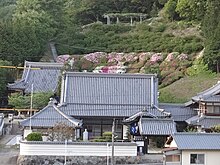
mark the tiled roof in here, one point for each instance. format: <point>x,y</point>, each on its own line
<point>213,99</point>
<point>152,126</point>
<point>43,75</point>
<point>49,116</point>
<point>80,143</point>
<point>197,141</point>
<point>205,121</point>
<point>112,89</point>
<point>178,111</point>
<point>106,110</point>
<point>207,93</point>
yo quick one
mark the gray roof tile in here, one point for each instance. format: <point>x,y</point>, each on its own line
<point>152,126</point>
<point>205,121</point>
<point>178,111</point>
<point>213,99</point>
<point>106,110</point>
<point>48,117</point>
<point>43,76</point>
<point>206,94</point>
<point>197,141</point>
<point>91,88</point>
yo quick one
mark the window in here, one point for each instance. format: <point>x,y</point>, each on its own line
<point>173,158</point>
<point>197,159</point>
<point>216,110</point>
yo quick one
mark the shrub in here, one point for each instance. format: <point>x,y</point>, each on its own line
<point>106,137</point>
<point>160,28</point>
<point>34,136</point>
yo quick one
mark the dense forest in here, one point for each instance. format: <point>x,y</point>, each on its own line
<point>79,27</point>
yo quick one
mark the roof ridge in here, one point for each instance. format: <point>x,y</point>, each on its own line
<point>209,89</point>
<point>128,75</point>
<point>43,64</point>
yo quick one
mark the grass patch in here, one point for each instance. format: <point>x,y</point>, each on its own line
<point>184,89</point>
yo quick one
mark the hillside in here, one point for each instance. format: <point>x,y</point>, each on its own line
<point>180,78</point>
<point>182,90</point>
<point>153,36</point>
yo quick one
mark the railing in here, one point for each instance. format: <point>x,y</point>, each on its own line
<point>77,148</point>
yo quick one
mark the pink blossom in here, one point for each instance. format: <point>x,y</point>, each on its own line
<point>130,57</point>
<point>95,57</point>
<point>110,69</point>
<point>170,57</point>
<point>62,58</point>
<point>115,57</point>
<point>144,56</point>
<point>156,58</point>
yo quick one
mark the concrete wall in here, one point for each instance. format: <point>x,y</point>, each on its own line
<point>77,149</point>
<point>211,157</point>
<point>86,160</point>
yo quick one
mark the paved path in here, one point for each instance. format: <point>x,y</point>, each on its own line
<point>9,154</point>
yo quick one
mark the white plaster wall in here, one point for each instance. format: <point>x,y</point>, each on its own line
<point>211,157</point>
<point>76,149</point>
<point>27,132</point>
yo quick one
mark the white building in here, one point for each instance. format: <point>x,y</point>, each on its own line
<point>190,148</point>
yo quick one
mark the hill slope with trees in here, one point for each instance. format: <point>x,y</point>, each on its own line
<point>79,27</point>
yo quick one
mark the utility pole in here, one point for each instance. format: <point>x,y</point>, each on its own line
<point>65,151</point>
<point>113,140</point>
<point>32,91</point>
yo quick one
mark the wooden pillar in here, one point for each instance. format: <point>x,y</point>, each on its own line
<point>140,19</point>
<point>108,20</point>
<point>101,128</point>
<point>131,21</point>
<point>117,20</point>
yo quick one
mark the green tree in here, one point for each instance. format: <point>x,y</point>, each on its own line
<point>191,9</point>
<point>6,10</point>
<point>170,9</point>
<point>198,68</point>
<point>40,100</point>
<point>211,30</point>
<point>6,76</point>
<point>162,2</point>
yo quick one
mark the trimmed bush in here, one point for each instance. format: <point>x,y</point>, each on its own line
<point>34,136</point>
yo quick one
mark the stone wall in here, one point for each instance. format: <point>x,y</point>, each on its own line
<point>85,160</point>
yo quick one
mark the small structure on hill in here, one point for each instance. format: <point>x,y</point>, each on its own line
<point>117,16</point>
